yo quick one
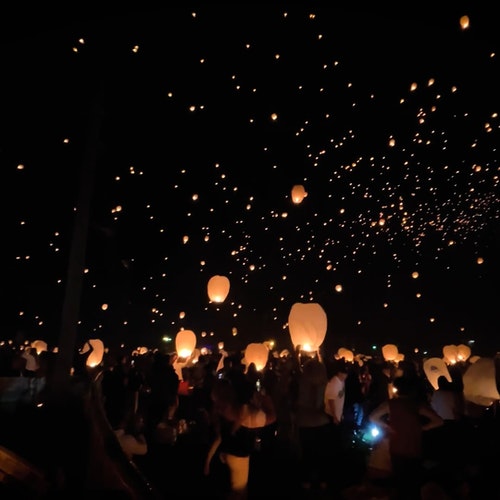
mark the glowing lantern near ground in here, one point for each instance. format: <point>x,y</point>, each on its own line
<point>480,382</point>
<point>307,323</point>
<point>463,352</point>
<point>473,359</point>
<point>298,193</point>
<point>400,357</point>
<point>218,288</point>
<point>39,345</point>
<point>450,353</point>
<point>435,368</point>
<point>95,357</point>
<point>142,350</point>
<point>347,354</point>
<point>256,353</point>
<point>185,342</point>
<point>390,352</point>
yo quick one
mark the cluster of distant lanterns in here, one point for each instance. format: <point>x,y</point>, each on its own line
<point>307,325</point>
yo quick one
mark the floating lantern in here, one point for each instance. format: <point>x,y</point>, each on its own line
<point>39,345</point>
<point>390,352</point>
<point>479,381</point>
<point>218,288</point>
<point>95,357</point>
<point>347,354</point>
<point>464,22</point>
<point>463,352</point>
<point>185,342</point>
<point>256,353</point>
<point>435,368</point>
<point>298,193</point>
<point>450,353</point>
<point>307,323</point>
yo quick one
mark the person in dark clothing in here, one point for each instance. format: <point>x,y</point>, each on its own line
<point>164,385</point>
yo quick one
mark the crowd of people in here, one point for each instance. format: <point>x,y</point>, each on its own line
<point>227,428</point>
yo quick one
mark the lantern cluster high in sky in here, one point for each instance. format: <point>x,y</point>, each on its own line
<point>308,155</point>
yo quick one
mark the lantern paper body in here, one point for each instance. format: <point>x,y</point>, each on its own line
<point>96,355</point>
<point>435,368</point>
<point>480,382</point>
<point>298,193</point>
<point>256,353</point>
<point>185,342</point>
<point>218,288</point>
<point>390,352</point>
<point>346,354</point>
<point>450,353</point>
<point>464,352</point>
<point>39,345</point>
<point>307,323</point>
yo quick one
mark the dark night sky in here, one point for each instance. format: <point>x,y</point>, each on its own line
<point>186,99</point>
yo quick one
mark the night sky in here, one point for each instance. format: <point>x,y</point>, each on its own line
<point>207,117</point>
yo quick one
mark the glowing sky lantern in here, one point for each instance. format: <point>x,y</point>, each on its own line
<point>95,357</point>
<point>39,345</point>
<point>257,353</point>
<point>298,193</point>
<point>479,382</point>
<point>463,352</point>
<point>185,343</point>
<point>307,323</point>
<point>435,368</point>
<point>346,354</point>
<point>450,353</point>
<point>390,352</point>
<point>464,22</point>
<point>218,288</point>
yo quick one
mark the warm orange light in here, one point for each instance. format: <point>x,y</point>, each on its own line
<point>218,288</point>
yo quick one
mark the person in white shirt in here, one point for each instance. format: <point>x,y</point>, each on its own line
<point>334,398</point>
<point>131,437</point>
<point>335,393</point>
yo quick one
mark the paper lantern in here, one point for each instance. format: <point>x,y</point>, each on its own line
<point>473,359</point>
<point>479,381</point>
<point>39,345</point>
<point>256,353</point>
<point>347,354</point>
<point>95,357</point>
<point>218,288</point>
<point>298,193</point>
<point>307,323</point>
<point>450,353</point>
<point>435,368</point>
<point>463,352</point>
<point>390,352</point>
<point>185,342</point>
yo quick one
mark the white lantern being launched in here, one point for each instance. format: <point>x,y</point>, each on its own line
<point>218,288</point>
<point>185,343</point>
<point>95,357</point>
<point>390,352</point>
<point>450,353</point>
<point>435,368</point>
<point>307,323</point>
<point>256,353</point>
<point>463,352</point>
<point>479,381</point>
<point>39,345</point>
<point>346,354</point>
